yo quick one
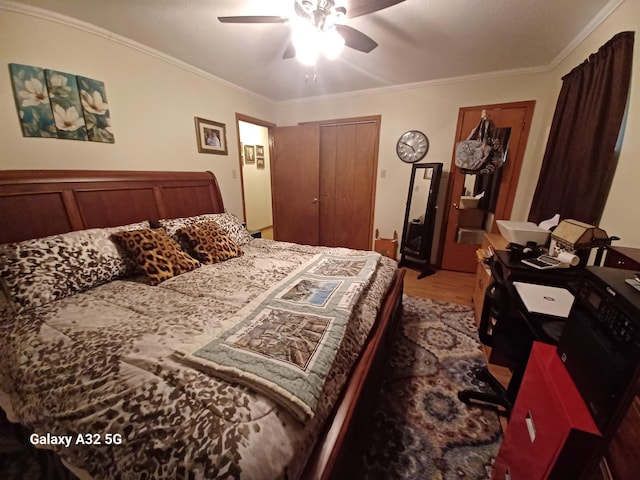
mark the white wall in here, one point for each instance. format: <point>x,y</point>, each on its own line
<point>257,181</point>
<point>432,109</point>
<point>152,104</point>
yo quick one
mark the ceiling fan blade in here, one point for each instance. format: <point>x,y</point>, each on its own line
<point>357,8</point>
<point>356,39</point>
<point>253,19</point>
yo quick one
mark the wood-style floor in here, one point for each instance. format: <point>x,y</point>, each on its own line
<point>267,232</point>
<point>444,285</point>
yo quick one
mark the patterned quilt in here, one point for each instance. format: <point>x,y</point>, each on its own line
<point>99,368</point>
<point>284,342</point>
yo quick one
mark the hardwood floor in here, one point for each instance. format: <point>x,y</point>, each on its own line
<point>445,285</point>
<point>267,232</point>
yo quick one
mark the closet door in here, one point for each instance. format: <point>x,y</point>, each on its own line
<point>348,165</point>
<point>295,187</point>
<point>323,182</point>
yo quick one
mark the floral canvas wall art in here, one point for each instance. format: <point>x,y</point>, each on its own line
<point>96,110</point>
<point>65,103</point>
<point>60,105</point>
<point>32,101</point>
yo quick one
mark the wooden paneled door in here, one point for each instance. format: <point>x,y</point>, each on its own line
<point>294,184</point>
<point>459,244</point>
<point>324,177</point>
<point>348,165</point>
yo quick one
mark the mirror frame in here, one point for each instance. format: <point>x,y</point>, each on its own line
<point>421,259</point>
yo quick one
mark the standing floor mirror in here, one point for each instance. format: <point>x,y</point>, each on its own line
<point>420,217</point>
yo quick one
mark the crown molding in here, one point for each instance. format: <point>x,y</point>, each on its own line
<point>595,22</point>
<point>109,35</point>
<point>606,11</point>
<point>101,32</point>
<point>416,85</point>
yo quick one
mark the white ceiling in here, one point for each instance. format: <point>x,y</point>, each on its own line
<point>419,40</point>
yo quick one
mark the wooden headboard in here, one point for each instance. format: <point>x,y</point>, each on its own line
<point>38,203</point>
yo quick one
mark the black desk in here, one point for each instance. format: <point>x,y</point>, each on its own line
<point>544,328</point>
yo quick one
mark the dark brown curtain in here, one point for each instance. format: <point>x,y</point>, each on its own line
<point>579,161</point>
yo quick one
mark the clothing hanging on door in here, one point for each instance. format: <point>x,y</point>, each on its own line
<point>482,152</point>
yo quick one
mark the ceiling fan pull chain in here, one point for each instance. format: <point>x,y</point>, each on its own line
<point>315,77</point>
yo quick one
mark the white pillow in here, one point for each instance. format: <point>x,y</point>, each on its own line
<point>36,272</point>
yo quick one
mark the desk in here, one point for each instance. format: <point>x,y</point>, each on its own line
<point>544,328</point>
<point>603,360</point>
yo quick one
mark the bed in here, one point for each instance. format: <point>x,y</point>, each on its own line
<point>108,363</point>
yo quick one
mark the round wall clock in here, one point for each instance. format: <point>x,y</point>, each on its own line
<point>412,146</point>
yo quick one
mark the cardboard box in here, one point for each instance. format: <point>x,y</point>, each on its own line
<point>467,201</point>
<point>470,218</point>
<point>387,246</point>
<point>470,235</point>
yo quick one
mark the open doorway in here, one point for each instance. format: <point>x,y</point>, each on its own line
<point>255,140</point>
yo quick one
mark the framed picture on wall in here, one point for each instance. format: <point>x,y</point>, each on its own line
<point>259,151</point>
<point>212,136</point>
<point>249,154</point>
<point>260,162</point>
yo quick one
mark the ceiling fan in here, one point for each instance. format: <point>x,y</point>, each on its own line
<point>318,26</point>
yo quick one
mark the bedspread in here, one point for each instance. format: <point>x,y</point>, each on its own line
<point>101,363</point>
<point>284,342</point>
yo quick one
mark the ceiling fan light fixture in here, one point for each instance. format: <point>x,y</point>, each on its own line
<point>310,41</point>
<point>332,44</point>
<point>306,41</point>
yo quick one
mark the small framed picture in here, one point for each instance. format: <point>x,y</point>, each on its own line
<point>260,162</point>
<point>259,151</point>
<point>212,136</point>
<point>249,154</point>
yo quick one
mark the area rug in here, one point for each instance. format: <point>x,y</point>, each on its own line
<point>420,429</point>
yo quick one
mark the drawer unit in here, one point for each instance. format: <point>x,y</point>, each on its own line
<point>482,280</point>
<point>623,257</point>
<point>550,433</point>
<point>483,274</point>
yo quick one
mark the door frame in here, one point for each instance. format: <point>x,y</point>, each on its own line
<point>516,166</point>
<point>269,126</point>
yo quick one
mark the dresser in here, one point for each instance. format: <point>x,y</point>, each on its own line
<point>483,273</point>
<point>623,257</point>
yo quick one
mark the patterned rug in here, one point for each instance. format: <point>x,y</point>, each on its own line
<point>421,430</point>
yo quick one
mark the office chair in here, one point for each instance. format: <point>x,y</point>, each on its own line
<point>510,341</point>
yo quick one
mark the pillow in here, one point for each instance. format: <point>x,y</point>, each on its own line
<point>156,254</point>
<point>36,272</point>
<point>208,242</point>
<point>228,222</point>
<point>233,227</point>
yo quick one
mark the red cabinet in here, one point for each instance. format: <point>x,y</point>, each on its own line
<point>551,433</point>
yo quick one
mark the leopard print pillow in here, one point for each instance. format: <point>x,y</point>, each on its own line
<point>36,272</point>
<point>229,223</point>
<point>156,254</point>
<point>209,243</point>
